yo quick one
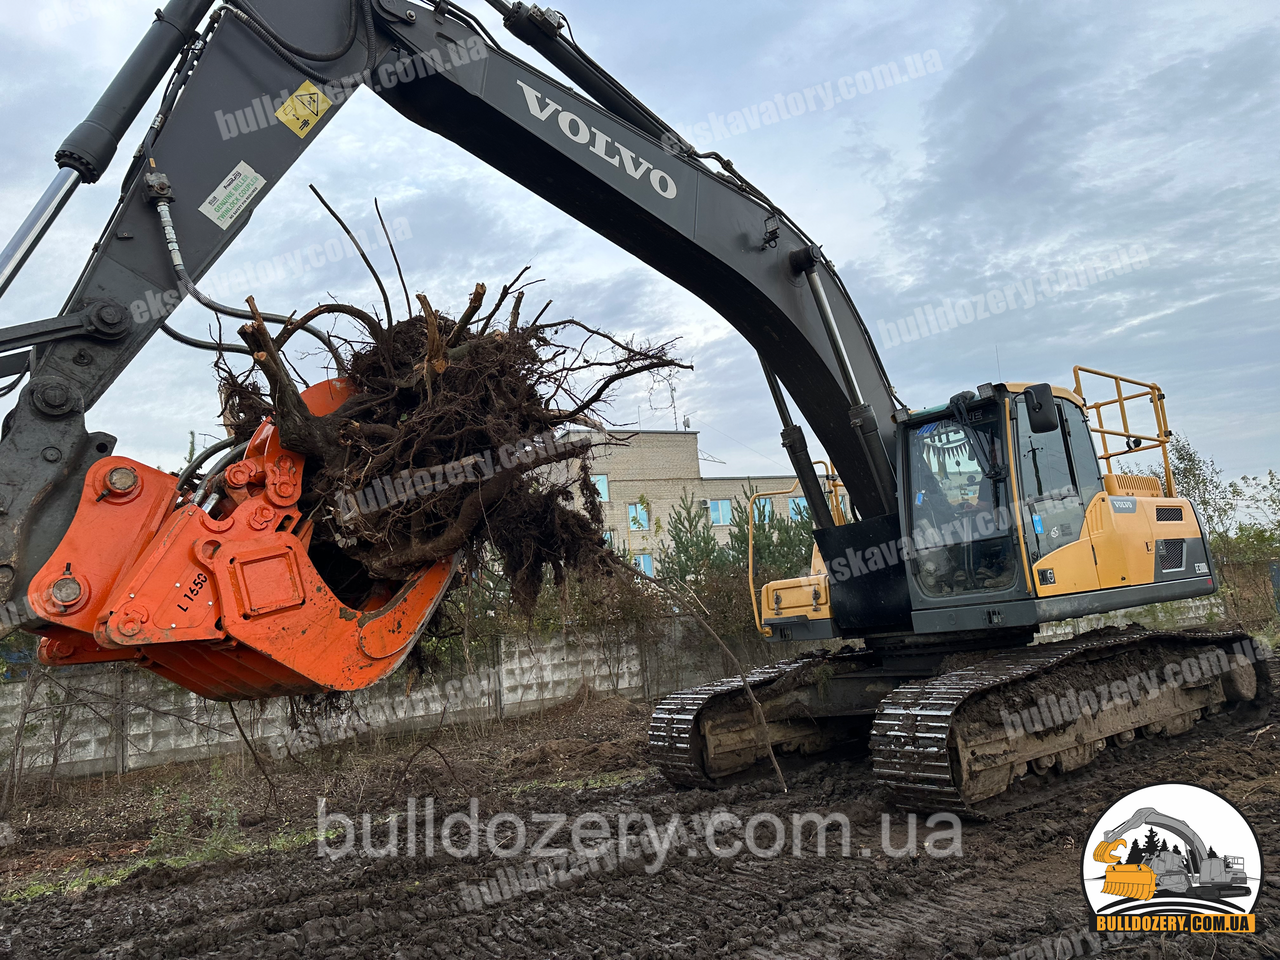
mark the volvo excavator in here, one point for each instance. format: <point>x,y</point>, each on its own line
<point>966,525</point>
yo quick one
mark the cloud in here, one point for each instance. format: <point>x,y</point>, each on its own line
<point>1049,136</point>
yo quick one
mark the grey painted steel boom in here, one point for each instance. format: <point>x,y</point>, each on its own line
<point>706,230</point>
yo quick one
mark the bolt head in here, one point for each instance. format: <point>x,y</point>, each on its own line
<point>51,454</point>
<point>6,574</point>
<point>122,479</point>
<point>67,590</point>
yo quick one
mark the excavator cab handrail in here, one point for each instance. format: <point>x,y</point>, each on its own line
<point>1134,442</point>
<point>834,487</point>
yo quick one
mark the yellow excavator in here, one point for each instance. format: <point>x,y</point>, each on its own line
<point>1007,518</point>
<point>1200,875</point>
<point>967,525</point>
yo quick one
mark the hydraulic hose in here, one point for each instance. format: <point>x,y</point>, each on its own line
<point>190,469</point>
<point>276,44</point>
<point>185,281</point>
<point>343,49</point>
<point>216,471</point>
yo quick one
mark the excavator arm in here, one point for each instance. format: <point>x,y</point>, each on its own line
<point>249,89</point>
<point>1196,849</point>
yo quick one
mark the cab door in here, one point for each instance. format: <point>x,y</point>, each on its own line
<point>1055,484</point>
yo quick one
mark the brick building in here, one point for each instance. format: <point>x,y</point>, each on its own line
<point>658,467</point>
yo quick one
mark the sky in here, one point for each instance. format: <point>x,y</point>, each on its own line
<point>1040,139</point>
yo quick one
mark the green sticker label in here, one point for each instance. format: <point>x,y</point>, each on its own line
<point>232,195</point>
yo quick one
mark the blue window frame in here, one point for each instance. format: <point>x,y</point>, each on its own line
<point>721,512</point>
<point>644,563</point>
<point>764,511</point>
<point>797,506</point>
<point>601,480</point>
<point>637,516</point>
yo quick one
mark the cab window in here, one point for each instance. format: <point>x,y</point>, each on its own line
<point>958,506</point>
<point>1088,475</point>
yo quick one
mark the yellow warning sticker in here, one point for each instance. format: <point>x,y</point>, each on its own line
<point>302,111</point>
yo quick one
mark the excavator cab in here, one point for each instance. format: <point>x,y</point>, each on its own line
<point>1006,520</point>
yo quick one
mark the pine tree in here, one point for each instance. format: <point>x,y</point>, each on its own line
<point>1135,852</point>
<point>1211,854</point>
<point>1164,846</point>
<point>693,550</point>
<point>1152,844</point>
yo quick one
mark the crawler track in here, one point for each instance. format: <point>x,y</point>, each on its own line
<point>925,726</point>
<point>922,728</point>
<point>675,742</point>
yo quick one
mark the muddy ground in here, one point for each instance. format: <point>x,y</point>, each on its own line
<point>196,860</point>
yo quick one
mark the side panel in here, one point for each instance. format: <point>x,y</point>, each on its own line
<point>1145,540</point>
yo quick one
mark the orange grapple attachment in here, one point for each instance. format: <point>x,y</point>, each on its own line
<point>1105,852</point>
<point>230,606</point>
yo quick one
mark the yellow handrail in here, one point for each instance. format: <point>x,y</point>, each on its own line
<point>751,553</point>
<point>1151,391</point>
<point>833,494</point>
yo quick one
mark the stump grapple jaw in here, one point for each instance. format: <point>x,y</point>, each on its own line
<point>225,600</point>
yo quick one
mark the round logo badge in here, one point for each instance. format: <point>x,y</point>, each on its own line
<point>1172,857</point>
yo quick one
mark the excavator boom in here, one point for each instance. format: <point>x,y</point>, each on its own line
<point>249,89</point>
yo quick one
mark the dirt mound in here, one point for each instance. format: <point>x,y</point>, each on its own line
<point>588,703</point>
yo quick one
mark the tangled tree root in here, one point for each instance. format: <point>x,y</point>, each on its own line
<point>453,438</point>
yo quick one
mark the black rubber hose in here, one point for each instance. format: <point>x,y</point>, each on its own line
<point>216,347</point>
<point>343,49</point>
<point>266,35</point>
<point>190,469</point>
<point>187,284</point>
<point>205,344</point>
<point>216,471</point>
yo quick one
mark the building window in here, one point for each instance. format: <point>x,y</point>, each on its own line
<point>637,516</point>
<point>608,539</point>
<point>644,563</point>
<point>601,480</point>
<point>721,512</point>
<point>798,506</point>
<point>764,511</point>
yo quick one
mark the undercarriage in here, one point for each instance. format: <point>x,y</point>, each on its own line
<point>955,729</point>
